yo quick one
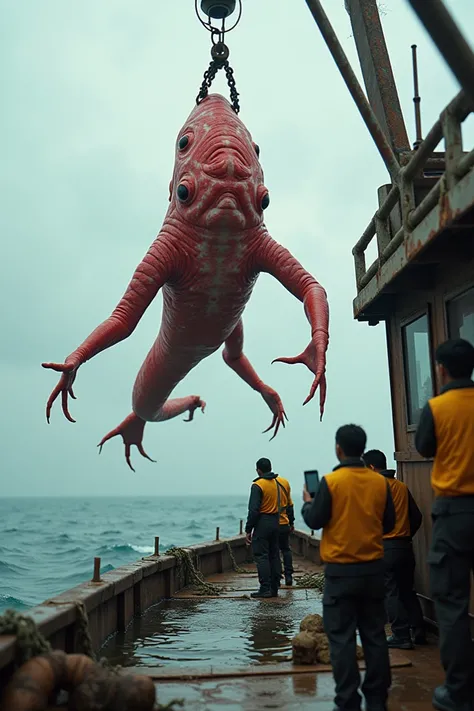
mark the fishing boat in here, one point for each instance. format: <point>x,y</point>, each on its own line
<point>185,618</point>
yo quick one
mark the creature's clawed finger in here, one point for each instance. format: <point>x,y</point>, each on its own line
<point>291,361</point>
<point>51,400</point>
<point>278,419</point>
<point>112,433</point>
<point>71,393</point>
<point>127,456</point>
<point>144,454</point>
<point>59,367</point>
<point>65,406</point>
<point>322,396</point>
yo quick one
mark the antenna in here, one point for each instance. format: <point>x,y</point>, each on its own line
<point>416,100</point>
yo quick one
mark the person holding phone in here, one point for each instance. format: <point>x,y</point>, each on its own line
<point>266,503</point>
<point>354,507</point>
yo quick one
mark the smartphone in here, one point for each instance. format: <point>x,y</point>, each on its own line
<point>312,481</point>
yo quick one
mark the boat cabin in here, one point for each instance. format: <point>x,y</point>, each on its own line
<point>421,286</point>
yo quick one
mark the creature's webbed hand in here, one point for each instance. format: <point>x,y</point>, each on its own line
<point>314,357</point>
<point>68,370</point>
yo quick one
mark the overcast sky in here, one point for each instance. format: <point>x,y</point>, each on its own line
<point>93,95</point>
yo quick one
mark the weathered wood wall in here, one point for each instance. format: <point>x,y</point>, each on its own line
<point>448,273</point>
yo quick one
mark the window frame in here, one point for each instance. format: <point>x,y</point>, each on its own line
<point>452,296</point>
<point>414,316</point>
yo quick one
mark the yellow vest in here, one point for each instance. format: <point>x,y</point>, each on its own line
<point>285,500</point>
<point>399,492</point>
<point>271,493</point>
<point>453,468</point>
<point>354,533</point>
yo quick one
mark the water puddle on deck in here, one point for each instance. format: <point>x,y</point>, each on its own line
<point>221,632</point>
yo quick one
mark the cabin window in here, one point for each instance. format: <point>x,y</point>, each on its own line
<point>461,316</point>
<point>418,372</point>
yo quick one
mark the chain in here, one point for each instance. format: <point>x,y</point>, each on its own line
<point>187,567</point>
<point>220,60</point>
<point>235,567</point>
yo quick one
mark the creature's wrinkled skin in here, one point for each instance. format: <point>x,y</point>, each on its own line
<point>207,257</point>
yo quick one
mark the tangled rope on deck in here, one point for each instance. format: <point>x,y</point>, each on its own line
<point>31,643</point>
<point>311,580</point>
<point>189,570</point>
<point>235,567</point>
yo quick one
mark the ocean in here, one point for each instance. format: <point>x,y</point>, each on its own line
<point>48,545</point>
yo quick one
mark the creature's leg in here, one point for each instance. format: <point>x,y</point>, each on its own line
<point>235,359</point>
<point>131,429</point>
<point>158,376</point>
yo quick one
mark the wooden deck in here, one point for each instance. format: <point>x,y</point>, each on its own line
<point>264,629</point>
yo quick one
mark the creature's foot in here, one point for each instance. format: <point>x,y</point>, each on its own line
<point>275,404</point>
<point>196,404</point>
<point>131,431</point>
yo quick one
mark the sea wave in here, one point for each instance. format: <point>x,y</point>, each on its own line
<point>11,569</point>
<point>8,601</point>
<point>125,548</point>
<point>47,547</point>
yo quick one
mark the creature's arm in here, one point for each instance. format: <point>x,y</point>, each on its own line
<point>274,259</point>
<point>157,267</point>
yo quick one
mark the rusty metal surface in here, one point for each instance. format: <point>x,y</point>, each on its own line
<point>449,40</point>
<point>454,204</point>
<point>377,71</point>
<point>354,87</point>
<point>420,196</point>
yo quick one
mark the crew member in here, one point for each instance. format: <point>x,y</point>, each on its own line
<point>446,433</point>
<point>403,607</point>
<point>262,528</point>
<point>287,526</point>
<point>354,507</point>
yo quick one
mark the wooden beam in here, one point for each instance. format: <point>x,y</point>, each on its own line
<point>377,71</point>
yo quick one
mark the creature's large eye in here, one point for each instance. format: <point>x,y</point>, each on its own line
<point>183,142</point>
<point>182,192</point>
<point>257,149</point>
<point>265,201</point>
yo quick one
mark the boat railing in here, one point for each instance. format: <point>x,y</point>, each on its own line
<point>419,164</point>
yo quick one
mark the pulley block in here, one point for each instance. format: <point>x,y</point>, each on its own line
<point>218,9</point>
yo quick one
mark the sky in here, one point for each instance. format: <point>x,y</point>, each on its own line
<point>93,96</point>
